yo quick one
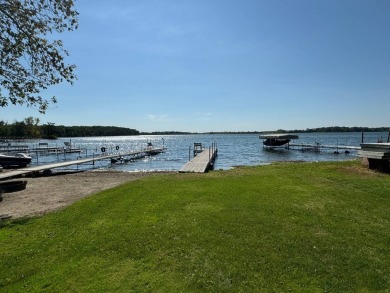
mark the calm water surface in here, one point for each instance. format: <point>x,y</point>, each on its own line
<point>233,149</point>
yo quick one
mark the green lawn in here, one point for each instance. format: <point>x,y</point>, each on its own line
<point>301,227</point>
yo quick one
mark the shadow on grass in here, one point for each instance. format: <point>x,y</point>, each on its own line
<point>9,223</point>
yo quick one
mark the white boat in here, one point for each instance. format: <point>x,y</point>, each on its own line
<point>16,160</point>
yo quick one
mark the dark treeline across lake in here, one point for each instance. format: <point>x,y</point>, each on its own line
<point>30,128</point>
<point>233,149</point>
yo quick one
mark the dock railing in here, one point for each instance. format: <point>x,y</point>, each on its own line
<point>202,161</point>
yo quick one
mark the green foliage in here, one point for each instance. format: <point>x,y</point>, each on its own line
<point>82,131</point>
<point>29,60</point>
<point>29,128</point>
<point>4,129</point>
<point>340,129</point>
<point>49,131</point>
<point>32,128</point>
<point>166,133</point>
<point>311,227</point>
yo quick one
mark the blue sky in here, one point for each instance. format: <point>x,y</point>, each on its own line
<point>224,65</point>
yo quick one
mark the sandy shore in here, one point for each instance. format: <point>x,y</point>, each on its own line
<point>46,194</point>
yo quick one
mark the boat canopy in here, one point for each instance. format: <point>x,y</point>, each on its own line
<point>278,136</point>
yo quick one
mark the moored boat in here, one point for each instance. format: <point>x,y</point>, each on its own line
<point>16,160</point>
<point>278,139</point>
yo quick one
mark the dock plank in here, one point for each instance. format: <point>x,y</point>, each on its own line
<point>200,163</point>
<point>374,155</point>
<point>305,145</point>
<point>27,170</point>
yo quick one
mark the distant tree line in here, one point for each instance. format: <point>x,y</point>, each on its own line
<point>233,132</point>
<point>85,131</point>
<point>166,133</point>
<point>30,128</point>
<point>337,129</point>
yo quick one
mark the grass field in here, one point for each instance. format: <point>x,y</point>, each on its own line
<point>301,227</point>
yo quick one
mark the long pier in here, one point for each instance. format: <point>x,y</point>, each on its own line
<point>202,161</point>
<point>35,169</point>
<point>318,146</point>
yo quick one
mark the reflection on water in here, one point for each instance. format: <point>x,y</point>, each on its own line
<point>233,149</point>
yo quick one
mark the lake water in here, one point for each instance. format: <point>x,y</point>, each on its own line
<point>233,149</point>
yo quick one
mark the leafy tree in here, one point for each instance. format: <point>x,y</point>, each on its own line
<point>49,130</point>
<point>32,128</point>
<point>29,61</point>
<point>18,129</point>
<point>4,129</point>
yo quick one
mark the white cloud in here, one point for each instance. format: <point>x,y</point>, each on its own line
<point>157,118</point>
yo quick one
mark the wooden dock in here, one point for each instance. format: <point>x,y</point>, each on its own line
<point>53,150</point>
<point>377,154</point>
<point>8,148</point>
<point>201,163</point>
<point>317,147</point>
<point>36,169</point>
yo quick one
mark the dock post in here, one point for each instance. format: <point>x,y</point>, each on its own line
<point>189,153</point>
